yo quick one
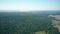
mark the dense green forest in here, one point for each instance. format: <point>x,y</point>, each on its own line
<point>25,23</point>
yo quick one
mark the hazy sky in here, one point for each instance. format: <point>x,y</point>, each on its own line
<point>26,5</point>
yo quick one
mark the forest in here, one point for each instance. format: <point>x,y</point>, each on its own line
<point>26,23</point>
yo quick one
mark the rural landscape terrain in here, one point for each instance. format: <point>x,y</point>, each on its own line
<point>33,22</point>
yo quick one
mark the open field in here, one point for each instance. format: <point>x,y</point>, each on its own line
<point>41,32</point>
<point>56,22</point>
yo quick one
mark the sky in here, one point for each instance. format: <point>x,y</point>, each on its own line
<point>29,5</point>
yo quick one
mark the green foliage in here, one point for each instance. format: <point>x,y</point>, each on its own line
<point>23,23</point>
<point>53,30</point>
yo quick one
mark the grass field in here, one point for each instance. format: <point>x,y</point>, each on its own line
<point>41,32</point>
<point>56,23</point>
